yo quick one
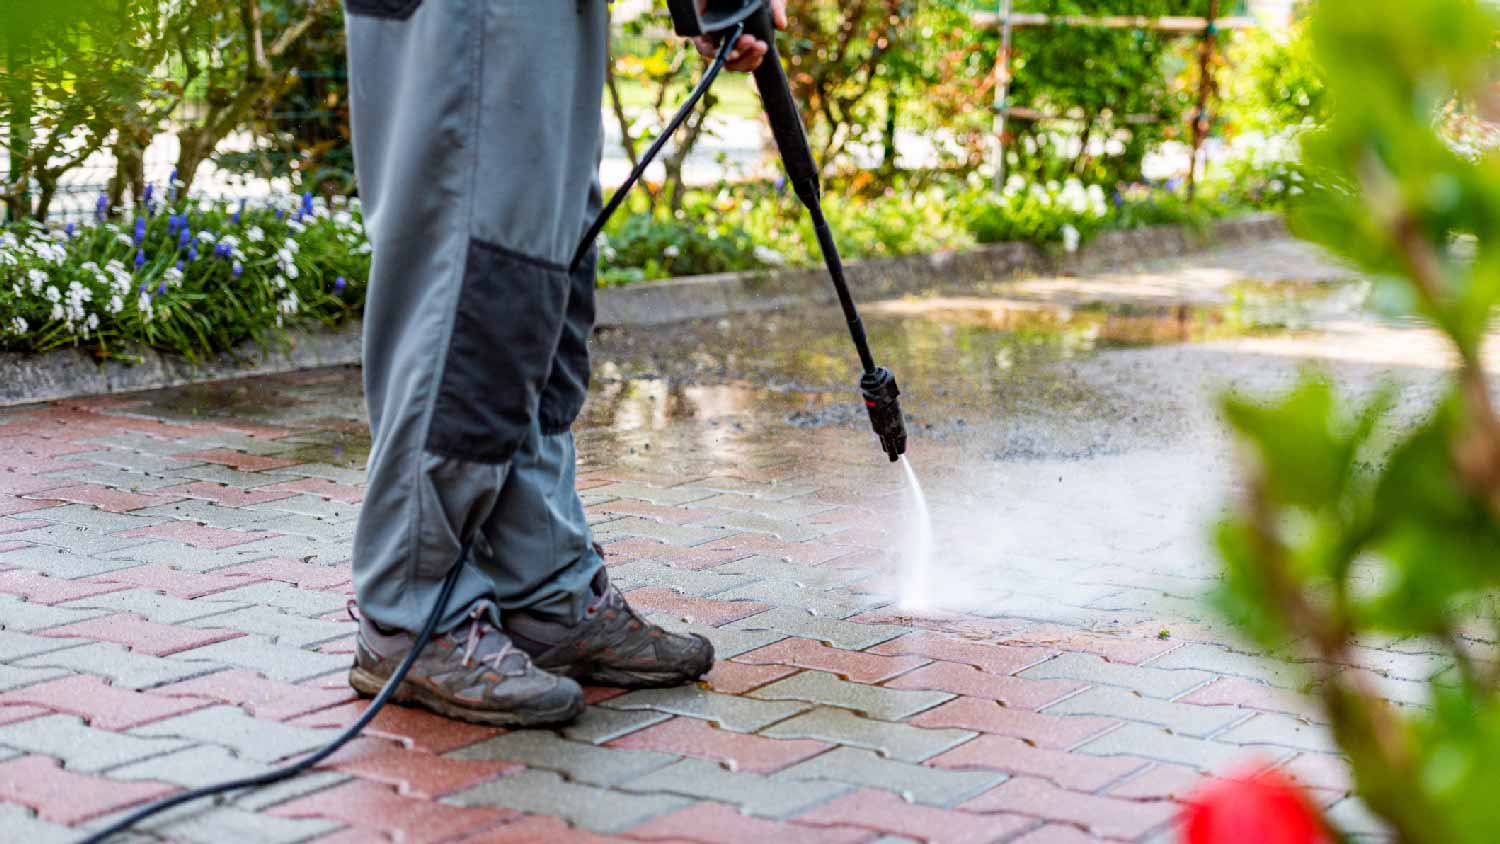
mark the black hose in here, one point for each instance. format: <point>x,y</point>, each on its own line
<point>303,764</point>
<point>722,57</point>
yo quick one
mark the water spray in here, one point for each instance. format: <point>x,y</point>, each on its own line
<point>727,20</point>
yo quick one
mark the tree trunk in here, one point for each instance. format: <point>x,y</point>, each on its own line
<point>18,198</point>
<point>888,153</point>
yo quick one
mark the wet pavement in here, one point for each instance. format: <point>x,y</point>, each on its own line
<point>174,567</point>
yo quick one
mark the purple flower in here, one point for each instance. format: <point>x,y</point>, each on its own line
<point>280,213</point>
<point>69,229</point>
<point>221,250</point>
<point>307,203</point>
<point>146,195</point>
<point>101,208</point>
<point>185,238</point>
<point>140,258</point>
<point>161,288</point>
<point>143,288</point>
<point>140,230</point>
<point>338,284</point>
<point>238,269</point>
<point>193,253</point>
<point>238,211</point>
<point>179,265</point>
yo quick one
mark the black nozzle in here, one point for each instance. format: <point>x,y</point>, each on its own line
<point>881,399</point>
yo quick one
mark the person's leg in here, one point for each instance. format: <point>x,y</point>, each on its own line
<point>467,119</point>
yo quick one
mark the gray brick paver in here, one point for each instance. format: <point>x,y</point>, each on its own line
<point>59,562</point>
<point>682,535</point>
<point>209,824</point>
<point>579,761</point>
<point>80,747</point>
<point>205,512</point>
<point>784,593</point>
<point>303,602</point>
<point>1274,728</point>
<point>16,646</point>
<point>849,635</point>
<point>740,714</point>
<point>280,627</point>
<point>15,676</point>
<point>599,809</point>
<point>840,726</point>
<point>1161,744</point>
<point>1220,660</point>
<point>599,724</point>
<point>230,726</point>
<point>121,667</point>
<point>278,662</point>
<point>156,606</point>
<point>26,616</point>
<point>1088,668</point>
<point>705,583</point>
<point>1184,718</point>
<point>754,793</point>
<point>775,568</point>
<point>829,689</point>
<point>919,783</point>
<point>20,825</point>
<point>649,494</point>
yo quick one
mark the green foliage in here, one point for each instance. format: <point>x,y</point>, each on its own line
<point>1274,83</point>
<point>239,274</point>
<point>1119,86</point>
<point>1355,527</point>
<point>641,247</point>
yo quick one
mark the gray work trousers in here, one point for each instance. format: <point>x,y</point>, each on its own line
<point>477,135</point>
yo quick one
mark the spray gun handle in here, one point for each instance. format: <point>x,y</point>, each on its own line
<point>781,111</point>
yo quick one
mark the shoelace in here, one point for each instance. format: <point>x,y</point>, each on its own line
<point>478,627</point>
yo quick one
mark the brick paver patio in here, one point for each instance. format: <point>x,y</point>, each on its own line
<point>174,570</point>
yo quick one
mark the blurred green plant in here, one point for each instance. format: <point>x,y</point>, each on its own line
<point>1274,84</point>
<point>1354,528</point>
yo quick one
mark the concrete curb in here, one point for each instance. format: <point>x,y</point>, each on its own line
<point>68,373</point>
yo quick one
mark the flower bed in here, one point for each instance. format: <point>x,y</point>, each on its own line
<point>200,277</point>
<point>191,277</point>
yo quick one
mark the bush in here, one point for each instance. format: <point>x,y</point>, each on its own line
<point>1355,528</point>
<point>194,278</point>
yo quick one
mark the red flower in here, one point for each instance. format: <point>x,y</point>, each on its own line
<point>1256,806</point>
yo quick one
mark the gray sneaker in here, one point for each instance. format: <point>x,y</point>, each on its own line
<point>611,645</point>
<point>472,673</point>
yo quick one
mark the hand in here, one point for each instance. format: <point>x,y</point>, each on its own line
<point>747,54</point>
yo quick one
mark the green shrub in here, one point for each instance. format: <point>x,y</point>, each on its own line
<point>1356,528</point>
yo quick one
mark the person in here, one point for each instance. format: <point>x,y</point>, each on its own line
<point>477,132</point>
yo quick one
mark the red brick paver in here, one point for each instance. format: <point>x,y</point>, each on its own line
<point>987,716</point>
<point>995,659</point>
<point>320,487</point>
<point>859,666</point>
<point>962,679</point>
<point>106,498</point>
<point>1017,756</point>
<point>175,582</point>
<point>223,494</point>
<point>378,808</point>
<point>885,812</point>
<point>198,536</point>
<point>716,823</point>
<point>262,698</point>
<point>734,678</point>
<point>67,798</point>
<point>1106,816</point>
<point>237,459</point>
<point>97,702</point>
<point>416,728</point>
<point>42,589</point>
<point>141,635</point>
<point>701,610</point>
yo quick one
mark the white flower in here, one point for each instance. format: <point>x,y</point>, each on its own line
<point>255,234</point>
<point>57,312</point>
<point>280,282</point>
<point>116,304</point>
<point>767,255</point>
<point>124,239</point>
<point>671,251</point>
<point>206,237</point>
<point>53,294</point>
<point>288,306</point>
<point>37,279</point>
<point>295,226</point>
<point>292,246</point>
<point>16,289</point>
<point>92,322</point>
<point>1070,238</point>
<point>18,325</point>
<point>144,305</point>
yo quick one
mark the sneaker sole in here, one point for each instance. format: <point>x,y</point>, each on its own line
<point>369,685</point>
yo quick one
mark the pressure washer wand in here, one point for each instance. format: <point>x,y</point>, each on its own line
<point>726,20</point>
<point>877,384</point>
